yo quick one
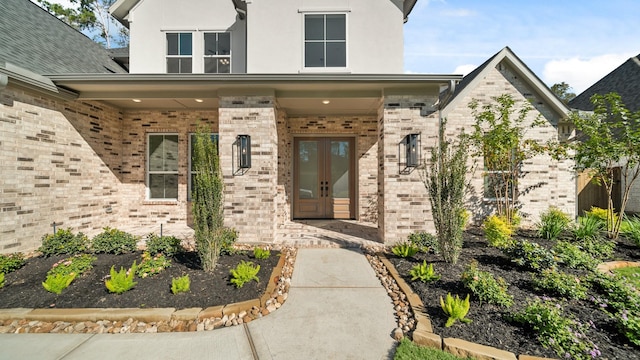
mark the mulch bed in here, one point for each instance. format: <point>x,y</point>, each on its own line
<point>23,288</point>
<point>490,326</point>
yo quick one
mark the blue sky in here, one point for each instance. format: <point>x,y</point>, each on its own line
<point>577,42</point>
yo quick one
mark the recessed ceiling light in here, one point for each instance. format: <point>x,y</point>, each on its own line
<point>326,102</point>
<point>199,100</point>
<point>136,100</point>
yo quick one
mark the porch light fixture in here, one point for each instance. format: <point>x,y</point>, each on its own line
<point>198,100</point>
<point>409,153</point>
<point>326,102</point>
<point>242,156</point>
<point>136,100</point>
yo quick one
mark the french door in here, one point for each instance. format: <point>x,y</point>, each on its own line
<point>324,186</point>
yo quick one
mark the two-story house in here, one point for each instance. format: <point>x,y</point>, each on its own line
<point>307,98</point>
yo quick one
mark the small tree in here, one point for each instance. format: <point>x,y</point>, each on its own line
<point>208,200</point>
<point>609,138</point>
<point>445,180</point>
<point>498,138</point>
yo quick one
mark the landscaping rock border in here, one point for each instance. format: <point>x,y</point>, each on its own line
<point>414,322</point>
<point>119,321</point>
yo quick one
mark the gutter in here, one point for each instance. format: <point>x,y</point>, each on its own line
<point>30,80</point>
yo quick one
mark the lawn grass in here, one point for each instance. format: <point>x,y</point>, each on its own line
<point>631,273</point>
<point>407,350</point>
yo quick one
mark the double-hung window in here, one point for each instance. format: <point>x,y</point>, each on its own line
<point>192,168</point>
<point>162,166</point>
<point>325,40</point>
<point>217,52</point>
<point>179,52</point>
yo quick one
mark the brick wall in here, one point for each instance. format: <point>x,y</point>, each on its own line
<point>60,162</point>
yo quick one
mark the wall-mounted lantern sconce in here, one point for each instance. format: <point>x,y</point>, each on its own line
<point>242,156</point>
<point>409,153</point>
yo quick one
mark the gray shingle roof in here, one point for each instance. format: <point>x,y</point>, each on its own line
<point>625,80</point>
<point>35,40</point>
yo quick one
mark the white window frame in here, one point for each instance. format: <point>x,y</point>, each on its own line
<point>155,172</point>
<point>304,41</point>
<point>166,50</point>
<point>205,56</point>
<point>190,168</point>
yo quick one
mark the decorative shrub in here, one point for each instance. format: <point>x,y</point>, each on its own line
<point>531,255</point>
<point>150,266</point>
<point>552,223</point>
<point>631,229</point>
<point>455,309</point>
<point>588,227</point>
<point>78,264</point>
<point>11,262</point>
<point>424,241</point>
<point>554,282</point>
<point>603,215</point>
<point>404,249</point>
<point>562,334</point>
<point>180,284</point>
<point>260,253</point>
<point>55,283</point>
<point>572,256</point>
<point>423,272</point>
<point>121,281</point>
<point>244,272</point>
<point>63,242</point>
<point>599,247</point>
<point>166,245</point>
<point>113,241</point>
<point>485,287</point>
<point>498,232</point>
<point>228,237</point>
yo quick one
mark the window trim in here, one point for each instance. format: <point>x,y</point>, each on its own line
<point>205,56</point>
<point>166,50</point>
<point>190,170</point>
<point>149,172</point>
<point>325,68</point>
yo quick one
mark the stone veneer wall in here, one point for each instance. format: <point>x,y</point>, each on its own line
<point>59,162</point>
<point>137,125</point>
<point>250,199</point>
<point>547,182</point>
<point>403,202</point>
<point>364,129</point>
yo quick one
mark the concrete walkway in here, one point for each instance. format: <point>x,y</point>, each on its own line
<point>336,309</point>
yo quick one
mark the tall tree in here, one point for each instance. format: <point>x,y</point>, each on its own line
<point>563,91</point>
<point>608,138</point>
<point>90,16</point>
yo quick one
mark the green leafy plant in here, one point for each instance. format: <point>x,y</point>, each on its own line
<point>244,272</point>
<point>63,242</point>
<point>77,264</point>
<point>588,227</point>
<point>572,256</point>
<point>228,237</point>
<point>11,262</point>
<point>554,282</point>
<point>404,249</point>
<point>55,283</point>
<point>531,255</point>
<point>166,245</point>
<point>619,292</point>
<point>562,334</point>
<point>180,284</point>
<point>121,281</point>
<point>629,325</point>
<point>113,241</point>
<point>423,272</point>
<point>455,309</point>
<point>424,241</point>
<point>260,253</point>
<point>485,287</point>
<point>600,248</point>
<point>1,280</point>
<point>445,181</point>
<point>152,265</point>
<point>552,223</point>
<point>631,229</point>
<point>498,232</point>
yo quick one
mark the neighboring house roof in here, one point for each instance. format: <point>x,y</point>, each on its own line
<point>529,77</point>
<point>625,80</point>
<point>34,40</point>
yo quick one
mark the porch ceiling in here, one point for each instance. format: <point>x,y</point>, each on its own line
<point>297,94</point>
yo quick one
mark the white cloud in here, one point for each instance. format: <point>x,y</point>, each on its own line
<point>464,69</point>
<point>581,73</point>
